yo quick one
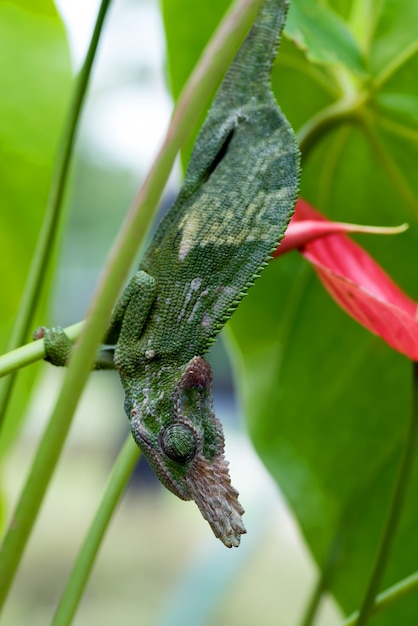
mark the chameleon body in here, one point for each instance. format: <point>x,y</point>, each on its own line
<point>231,212</point>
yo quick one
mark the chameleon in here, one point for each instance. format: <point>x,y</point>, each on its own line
<point>230,214</point>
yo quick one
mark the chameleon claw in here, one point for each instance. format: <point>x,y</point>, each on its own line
<point>57,345</point>
<point>39,333</point>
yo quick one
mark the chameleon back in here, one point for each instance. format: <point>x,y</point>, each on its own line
<point>233,208</point>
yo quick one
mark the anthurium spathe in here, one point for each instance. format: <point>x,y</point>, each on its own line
<point>352,277</point>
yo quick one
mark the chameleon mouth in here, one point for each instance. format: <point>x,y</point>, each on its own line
<point>210,487</point>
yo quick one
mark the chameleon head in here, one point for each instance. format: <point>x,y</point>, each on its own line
<point>186,450</point>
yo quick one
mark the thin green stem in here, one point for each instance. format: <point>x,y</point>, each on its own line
<point>315,600</point>
<point>53,215</point>
<point>362,19</point>
<point>341,111</point>
<point>324,580</point>
<point>31,352</point>
<point>395,64</point>
<point>118,480</point>
<point>193,101</point>
<point>395,510</point>
<point>389,165</point>
<point>388,597</point>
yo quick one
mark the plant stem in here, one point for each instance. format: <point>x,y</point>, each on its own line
<point>118,480</point>
<point>193,101</point>
<point>53,215</point>
<point>388,597</point>
<point>324,580</point>
<point>395,510</point>
<point>315,128</point>
<point>388,163</point>
<point>315,600</point>
<point>31,352</point>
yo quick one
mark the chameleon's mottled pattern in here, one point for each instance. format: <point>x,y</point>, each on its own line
<point>232,210</point>
<point>234,205</point>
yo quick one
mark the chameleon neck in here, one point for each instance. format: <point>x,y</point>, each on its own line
<point>251,70</point>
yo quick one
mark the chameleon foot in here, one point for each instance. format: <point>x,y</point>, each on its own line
<point>57,345</point>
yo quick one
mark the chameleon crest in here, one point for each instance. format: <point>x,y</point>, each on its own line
<point>231,212</point>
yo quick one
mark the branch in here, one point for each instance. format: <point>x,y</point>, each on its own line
<point>193,102</point>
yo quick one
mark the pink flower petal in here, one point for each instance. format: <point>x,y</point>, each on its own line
<point>301,231</point>
<point>357,283</point>
<point>395,325</point>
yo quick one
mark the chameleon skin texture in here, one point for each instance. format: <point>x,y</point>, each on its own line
<point>237,198</point>
<point>231,212</point>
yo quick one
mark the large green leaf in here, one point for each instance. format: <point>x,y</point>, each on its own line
<point>35,79</point>
<point>326,402</point>
<point>323,34</point>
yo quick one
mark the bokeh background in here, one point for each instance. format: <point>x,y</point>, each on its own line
<point>160,564</point>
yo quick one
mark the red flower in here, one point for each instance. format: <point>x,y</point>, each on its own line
<point>353,279</point>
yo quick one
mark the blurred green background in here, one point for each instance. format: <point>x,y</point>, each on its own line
<point>160,563</point>
<point>326,403</point>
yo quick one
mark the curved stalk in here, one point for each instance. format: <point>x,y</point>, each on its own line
<point>53,216</point>
<point>343,110</point>
<point>388,597</point>
<point>118,480</point>
<point>395,510</point>
<point>389,165</point>
<point>193,102</point>
<point>315,600</point>
<point>325,578</point>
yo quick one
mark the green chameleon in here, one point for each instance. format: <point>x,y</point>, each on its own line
<point>231,212</point>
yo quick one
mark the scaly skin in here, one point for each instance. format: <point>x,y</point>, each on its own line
<point>232,210</point>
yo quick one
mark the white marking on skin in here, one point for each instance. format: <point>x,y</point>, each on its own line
<point>190,291</point>
<point>224,225</point>
<point>197,304</point>
<point>222,293</point>
<point>198,232</point>
<point>196,283</point>
<point>186,302</point>
<point>207,320</point>
<point>189,236</point>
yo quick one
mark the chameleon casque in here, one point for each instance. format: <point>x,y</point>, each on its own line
<point>230,214</point>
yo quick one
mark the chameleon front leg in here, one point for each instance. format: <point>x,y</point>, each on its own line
<point>58,347</point>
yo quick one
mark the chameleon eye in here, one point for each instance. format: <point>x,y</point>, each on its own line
<point>179,443</point>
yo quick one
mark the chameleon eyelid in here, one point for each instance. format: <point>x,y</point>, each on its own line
<point>179,442</point>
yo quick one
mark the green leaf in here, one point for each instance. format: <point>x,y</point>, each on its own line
<point>395,38</point>
<point>323,34</point>
<point>35,81</point>
<point>326,402</point>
